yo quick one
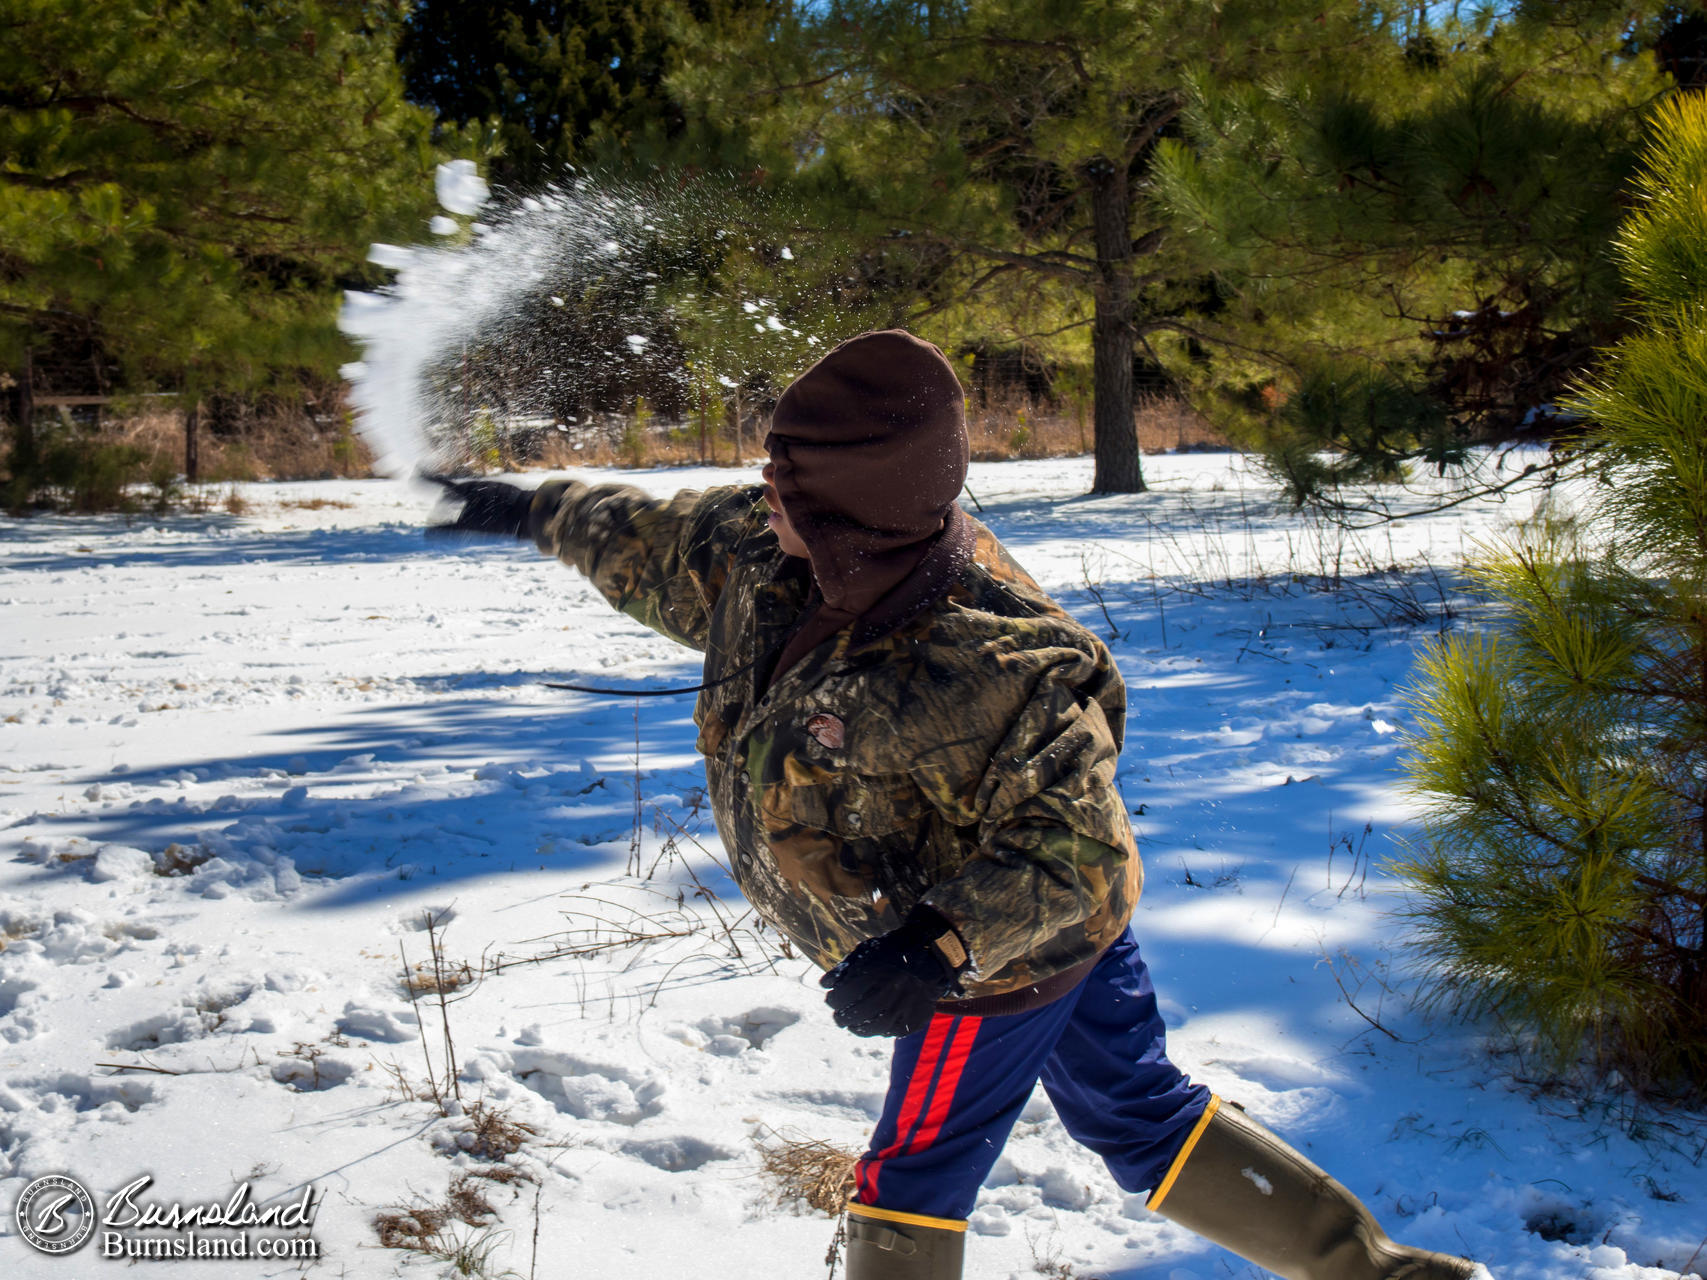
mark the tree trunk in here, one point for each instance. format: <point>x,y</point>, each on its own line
<point>192,463</point>
<point>1116,431</point>
<point>24,435</point>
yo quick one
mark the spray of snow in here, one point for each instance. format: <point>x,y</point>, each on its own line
<point>1261,1183</point>
<point>522,305</point>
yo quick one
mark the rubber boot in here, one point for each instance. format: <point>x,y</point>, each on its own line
<point>1237,1184</point>
<point>886,1245</point>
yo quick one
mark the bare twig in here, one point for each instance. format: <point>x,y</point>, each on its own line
<point>1283,893</point>
<point>1095,588</point>
<point>421,1027</point>
<point>440,984</point>
<point>1685,1268</point>
<point>1391,1035</point>
<point>140,1066</point>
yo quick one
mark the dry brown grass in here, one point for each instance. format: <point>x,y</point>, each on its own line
<point>1006,429</point>
<point>494,1133</point>
<point>17,931</point>
<point>998,430</point>
<point>279,444</point>
<point>421,1226</point>
<point>286,444</point>
<point>1166,423</point>
<point>806,1169</point>
<point>180,860</point>
<point>315,504</point>
<point>619,443</point>
<point>429,979</point>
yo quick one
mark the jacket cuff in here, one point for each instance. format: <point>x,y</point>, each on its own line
<point>927,927</point>
<point>546,501</point>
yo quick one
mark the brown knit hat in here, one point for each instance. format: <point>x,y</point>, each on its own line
<point>870,452</point>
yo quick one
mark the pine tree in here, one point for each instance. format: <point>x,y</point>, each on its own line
<point>186,187</point>
<point>997,157</point>
<point>1408,243</point>
<point>560,85</point>
<point>1562,756</point>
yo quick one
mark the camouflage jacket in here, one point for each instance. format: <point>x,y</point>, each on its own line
<point>965,760</point>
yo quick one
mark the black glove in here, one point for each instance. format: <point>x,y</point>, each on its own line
<point>889,985</point>
<point>491,508</point>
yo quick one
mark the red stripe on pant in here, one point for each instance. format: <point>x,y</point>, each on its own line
<point>865,1176</point>
<point>933,1104</point>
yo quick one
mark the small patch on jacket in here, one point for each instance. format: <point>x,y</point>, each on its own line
<point>827,729</point>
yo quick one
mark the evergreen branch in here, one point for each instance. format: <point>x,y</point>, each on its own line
<point>1175,324</point>
<point>777,90</point>
<point>1149,243</point>
<point>1335,507</point>
<point>89,103</point>
<point>1523,817</point>
<point>1665,944</point>
<point>1051,333</point>
<point>18,309</point>
<point>73,178</point>
<point>960,295</point>
<point>1074,55</point>
<point>1146,136</point>
<point>1046,263</point>
<point>255,215</point>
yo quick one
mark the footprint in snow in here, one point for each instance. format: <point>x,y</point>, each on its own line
<point>87,1094</point>
<point>311,1075</point>
<point>728,1037</point>
<point>589,1090</point>
<point>677,1154</point>
<point>17,1023</point>
<point>369,1022</point>
<point>204,1012</point>
<point>417,919</point>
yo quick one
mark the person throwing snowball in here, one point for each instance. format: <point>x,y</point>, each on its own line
<point>910,752</point>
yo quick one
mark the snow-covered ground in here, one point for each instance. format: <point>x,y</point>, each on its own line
<point>245,760</point>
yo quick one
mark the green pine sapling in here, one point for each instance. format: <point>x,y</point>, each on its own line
<point>1560,873</point>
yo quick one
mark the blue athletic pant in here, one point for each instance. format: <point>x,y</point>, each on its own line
<point>957,1086</point>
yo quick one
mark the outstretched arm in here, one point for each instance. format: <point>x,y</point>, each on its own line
<point>662,561</point>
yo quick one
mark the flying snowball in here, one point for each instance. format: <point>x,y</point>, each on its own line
<point>393,256</point>
<point>460,188</point>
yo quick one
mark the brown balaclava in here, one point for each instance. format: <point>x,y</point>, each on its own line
<point>870,452</point>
